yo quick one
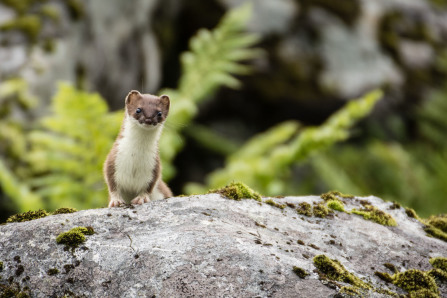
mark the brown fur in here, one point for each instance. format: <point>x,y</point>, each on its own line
<point>153,110</point>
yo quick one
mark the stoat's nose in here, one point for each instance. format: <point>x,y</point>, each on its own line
<point>148,121</point>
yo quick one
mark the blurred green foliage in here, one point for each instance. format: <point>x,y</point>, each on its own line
<point>212,62</point>
<point>59,162</point>
<point>413,173</point>
<point>265,161</point>
<point>68,151</point>
<point>15,100</point>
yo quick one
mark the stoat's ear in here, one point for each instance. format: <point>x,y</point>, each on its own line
<point>132,94</point>
<point>164,99</point>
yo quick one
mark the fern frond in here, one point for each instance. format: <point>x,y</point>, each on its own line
<point>266,160</point>
<point>67,155</point>
<point>23,198</point>
<point>214,59</point>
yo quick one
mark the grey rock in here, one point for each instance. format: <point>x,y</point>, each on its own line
<point>203,246</point>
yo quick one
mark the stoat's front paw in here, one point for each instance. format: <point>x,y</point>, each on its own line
<point>141,200</point>
<point>116,202</point>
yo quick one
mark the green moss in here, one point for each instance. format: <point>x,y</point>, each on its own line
<point>414,280</point>
<point>320,210</point>
<point>53,271</point>
<point>439,222</point>
<point>237,191</point>
<point>30,25</point>
<point>391,267</point>
<point>335,195</point>
<point>274,204</point>
<point>26,216</point>
<point>439,263</point>
<point>438,274</point>
<point>304,209</point>
<point>64,210</point>
<point>384,276</point>
<point>334,270</point>
<point>336,205</point>
<point>435,232</point>
<point>74,237</point>
<point>395,205</point>
<point>422,293</point>
<point>372,213</point>
<point>351,292</point>
<point>411,213</point>
<point>14,290</point>
<point>300,272</point>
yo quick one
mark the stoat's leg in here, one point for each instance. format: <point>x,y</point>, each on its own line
<point>141,199</point>
<point>115,200</point>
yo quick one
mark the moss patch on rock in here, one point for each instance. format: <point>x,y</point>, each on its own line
<point>336,205</point>
<point>335,195</point>
<point>237,191</point>
<point>320,210</point>
<point>439,263</point>
<point>439,222</point>
<point>438,274</point>
<point>300,272</point>
<point>411,213</point>
<point>374,214</point>
<point>64,210</point>
<point>14,290</point>
<point>351,292</point>
<point>435,232</point>
<point>26,216</point>
<point>53,271</point>
<point>415,280</point>
<point>274,204</point>
<point>304,209</point>
<point>74,237</point>
<point>334,270</point>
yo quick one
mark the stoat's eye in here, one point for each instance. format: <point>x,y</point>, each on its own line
<point>159,114</point>
<point>138,111</point>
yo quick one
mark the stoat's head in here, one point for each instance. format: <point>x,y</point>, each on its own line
<point>148,110</point>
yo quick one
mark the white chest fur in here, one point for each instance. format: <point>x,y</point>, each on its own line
<point>136,158</point>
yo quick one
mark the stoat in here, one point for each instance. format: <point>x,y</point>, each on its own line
<point>132,169</point>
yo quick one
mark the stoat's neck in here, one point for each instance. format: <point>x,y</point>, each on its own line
<point>141,137</point>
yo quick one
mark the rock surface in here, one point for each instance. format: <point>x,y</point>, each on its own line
<point>208,245</point>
